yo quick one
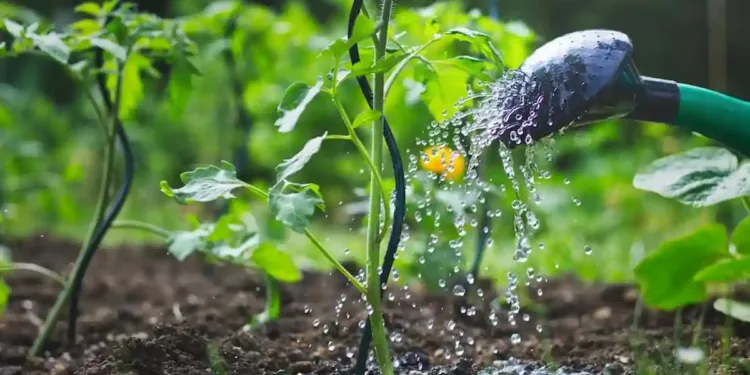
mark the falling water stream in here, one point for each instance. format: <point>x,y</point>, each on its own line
<point>502,115</point>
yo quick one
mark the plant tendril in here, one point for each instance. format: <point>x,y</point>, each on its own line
<point>118,202</point>
<point>400,179</point>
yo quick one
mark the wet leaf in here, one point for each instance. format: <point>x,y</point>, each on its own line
<point>293,209</point>
<point>366,117</point>
<point>725,271</point>
<point>205,184</point>
<point>182,244</point>
<point>482,41</point>
<point>53,46</point>
<point>735,309</point>
<point>13,28</point>
<point>666,276</point>
<point>699,177</point>
<point>741,236</point>
<point>113,48</point>
<point>295,164</point>
<point>296,98</point>
<point>276,263</point>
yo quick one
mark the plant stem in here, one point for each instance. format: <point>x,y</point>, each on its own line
<point>102,202</point>
<point>374,168</point>
<point>746,203</point>
<point>146,227</point>
<point>31,267</point>
<point>318,245</point>
<point>382,352</point>
<point>402,64</point>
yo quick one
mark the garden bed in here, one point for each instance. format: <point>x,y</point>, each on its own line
<point>146,313</point>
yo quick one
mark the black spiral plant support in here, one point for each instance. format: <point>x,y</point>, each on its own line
<point>117,203</point>
<point>400,206</point>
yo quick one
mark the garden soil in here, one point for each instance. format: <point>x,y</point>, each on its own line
<point>146,313</point>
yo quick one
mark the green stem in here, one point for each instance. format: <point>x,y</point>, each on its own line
<point>318,245</point>
<point>374,170</point>
<point>382,352</point>
<point>102,202</point>
<point>402,65</point>
<point>340,137</point>
<point>746,203</point>
<point>273,305</point>
<point>31,267</point>
<point>146,227</point>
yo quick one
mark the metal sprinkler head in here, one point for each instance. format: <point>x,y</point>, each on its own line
<point>573,78</point>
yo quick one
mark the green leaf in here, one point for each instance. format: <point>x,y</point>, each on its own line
<point>276,263</point>
<point>205,184</point>
<point>180,86</point>
<point>295,164</point>
<point>113,48</point>
<point>666,276</point>
<point>363,28</point>
<point>725,271</point>
<point>482,41</point>
<point>293,209</point>
<point>295,99</point>
<point>699,177</point>
<point>132,86</point>
<point>273,305</point>
<point>735,309</point>
<point>476,67</point>
<point>384,65</point>
<point>13,28</point>
<point>182,244</point>
<point>366,117</point>
<point>89,8</point>
<point>741,237</point>
<point>4,296</point>
<point>53,46</point>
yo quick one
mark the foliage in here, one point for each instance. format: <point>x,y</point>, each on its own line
<point>4,288</point>
<point>686,269</point>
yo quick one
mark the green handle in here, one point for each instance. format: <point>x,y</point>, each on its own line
<point>716,116</point>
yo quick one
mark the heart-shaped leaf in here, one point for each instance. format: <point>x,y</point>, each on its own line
<point>666,276</point>
<point>205,184</point>
<point>725,271</point>
<point>295,100</point>
<point>700,177</point>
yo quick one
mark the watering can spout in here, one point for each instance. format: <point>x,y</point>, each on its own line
<point>590,76</point>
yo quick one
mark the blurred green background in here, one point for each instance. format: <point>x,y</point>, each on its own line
<point>50,146</point>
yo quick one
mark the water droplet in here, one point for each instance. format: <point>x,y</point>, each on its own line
<point>587,250</point>
<point>459,290</point>
<point>515,339</point>
<point>316,323</point>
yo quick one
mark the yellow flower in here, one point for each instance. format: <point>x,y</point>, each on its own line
<point>442,160</point>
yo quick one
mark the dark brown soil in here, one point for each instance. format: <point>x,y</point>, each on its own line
<point>146,313</point>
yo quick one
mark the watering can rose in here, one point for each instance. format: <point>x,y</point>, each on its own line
<point>443,160</point>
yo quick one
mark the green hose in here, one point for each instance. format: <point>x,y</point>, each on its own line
<point>716,116</point>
